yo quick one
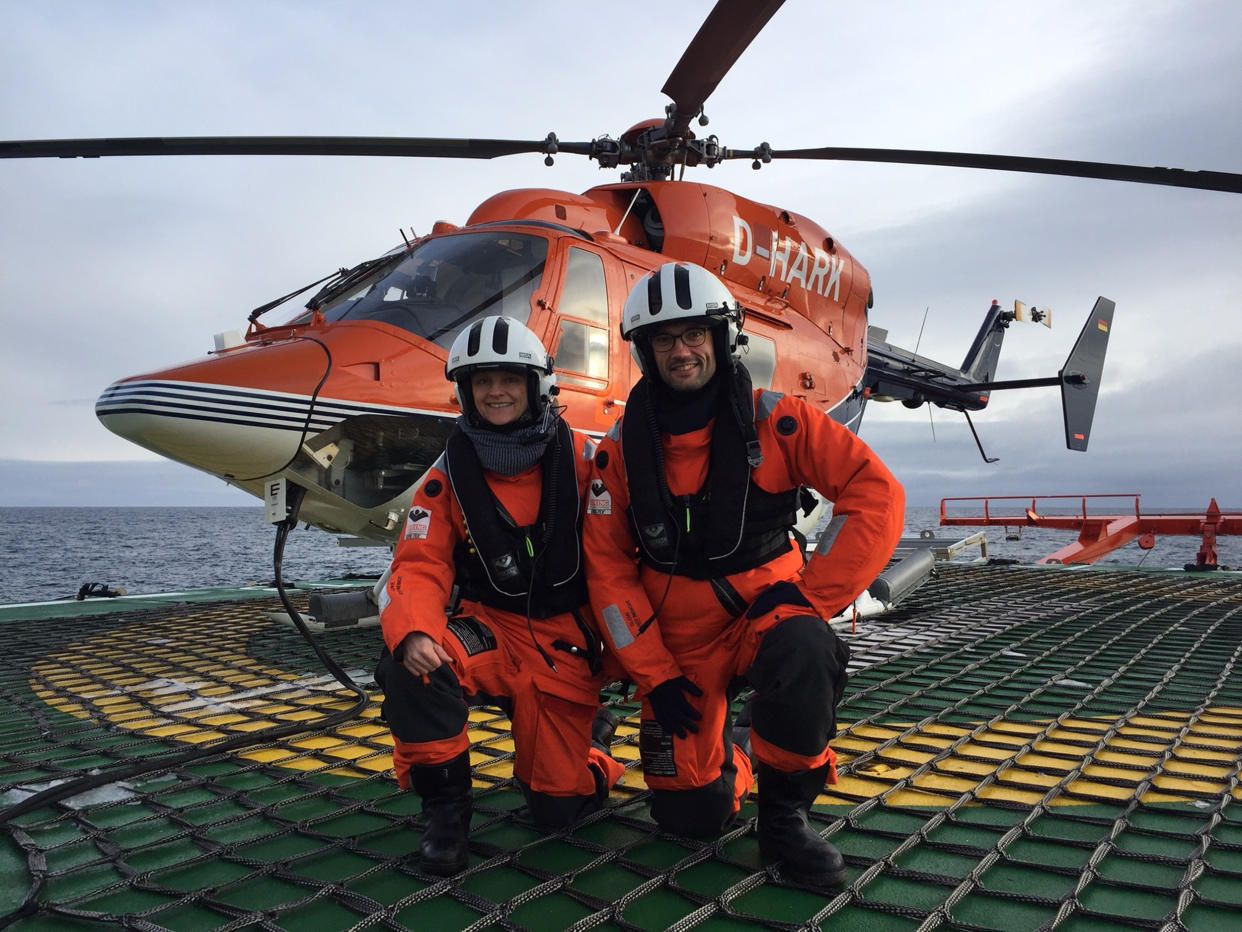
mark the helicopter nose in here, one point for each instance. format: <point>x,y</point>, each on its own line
<point>209,427</point>
<point>229,415</point>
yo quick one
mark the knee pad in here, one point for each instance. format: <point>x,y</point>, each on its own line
<point>799,676</point>
<point>553,813</point>
<point>416,711</point>
<point>702,812</point>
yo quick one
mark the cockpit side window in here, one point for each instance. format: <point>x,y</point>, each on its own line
<point>583,310</point>
<point>448,281</point>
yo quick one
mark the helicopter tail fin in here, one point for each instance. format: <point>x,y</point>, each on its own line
<point>1080,376</point>
<point>980,362</point>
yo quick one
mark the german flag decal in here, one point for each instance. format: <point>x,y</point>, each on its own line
<point>1102,324</point>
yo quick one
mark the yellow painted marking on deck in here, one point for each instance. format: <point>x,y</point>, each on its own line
<point>1030,758</point>
<point>129,679</point>
<point>200,691</point>
<point>134,679</point>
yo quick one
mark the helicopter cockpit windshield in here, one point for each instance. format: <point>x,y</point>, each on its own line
<point>448,280</point>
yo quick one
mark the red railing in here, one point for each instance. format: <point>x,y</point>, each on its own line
<point>1098,531</point>
<point>1031,509</point>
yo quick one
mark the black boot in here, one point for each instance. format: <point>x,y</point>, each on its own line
<point>784,833</point>
<point>603,728</point>
<point>447,804</point>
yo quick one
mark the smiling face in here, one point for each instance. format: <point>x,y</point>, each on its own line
<point>499,395</point>
<point>684,368</point>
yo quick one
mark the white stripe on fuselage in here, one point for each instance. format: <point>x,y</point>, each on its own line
<point>198,400</point>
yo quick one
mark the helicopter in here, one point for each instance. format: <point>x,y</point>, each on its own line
<point>346,397</point>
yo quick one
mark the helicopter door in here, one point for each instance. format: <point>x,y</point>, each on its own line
<point>582,311</point>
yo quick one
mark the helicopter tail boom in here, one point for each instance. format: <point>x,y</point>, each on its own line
<point>895,374</point>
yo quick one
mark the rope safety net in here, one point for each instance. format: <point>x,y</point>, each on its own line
<point>1020,748</point>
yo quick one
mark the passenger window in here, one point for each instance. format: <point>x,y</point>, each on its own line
<point>583,308</point>
<point>583,295</point>
<point>759,355</point>
<point>583,348</point>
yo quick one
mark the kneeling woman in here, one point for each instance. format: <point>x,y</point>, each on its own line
<point>486,599</point>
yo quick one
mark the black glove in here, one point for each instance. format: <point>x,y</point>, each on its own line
<point>779,593</point>
<point>671,708</point>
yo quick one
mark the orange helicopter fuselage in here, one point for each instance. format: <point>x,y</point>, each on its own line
<point>354,408</point>
<point>801,289</point>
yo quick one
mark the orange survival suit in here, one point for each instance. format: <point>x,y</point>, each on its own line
<point>674,569</point>
<point>474,533</point>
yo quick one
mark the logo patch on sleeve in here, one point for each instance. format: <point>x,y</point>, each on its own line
<point>599,502</point>
<point>417,524</point>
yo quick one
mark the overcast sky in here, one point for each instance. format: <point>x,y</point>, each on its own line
<point>114,267</point>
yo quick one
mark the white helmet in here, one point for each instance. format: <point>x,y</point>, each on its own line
<point>679,291</point>
<point>500,343</point>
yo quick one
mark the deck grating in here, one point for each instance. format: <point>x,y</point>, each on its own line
<point>1022,748</point>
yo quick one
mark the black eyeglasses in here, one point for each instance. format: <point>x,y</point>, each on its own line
<point>692,336</point>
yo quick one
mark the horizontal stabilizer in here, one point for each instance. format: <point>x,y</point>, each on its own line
<point>1080,377</point>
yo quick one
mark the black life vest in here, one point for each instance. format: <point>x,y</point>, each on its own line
<point>500,563</point>
<point>731,524</point>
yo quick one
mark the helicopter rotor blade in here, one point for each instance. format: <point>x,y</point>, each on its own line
<point>461,148</point>
<point>1175,177</point>
<point>728,30</point>
<point>407,147</point>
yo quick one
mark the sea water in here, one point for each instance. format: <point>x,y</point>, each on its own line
<point>50,553</point>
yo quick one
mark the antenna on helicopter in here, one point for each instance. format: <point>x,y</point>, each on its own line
<point>931,420</point>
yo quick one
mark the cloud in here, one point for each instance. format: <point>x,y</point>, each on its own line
<point>115,267</point>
